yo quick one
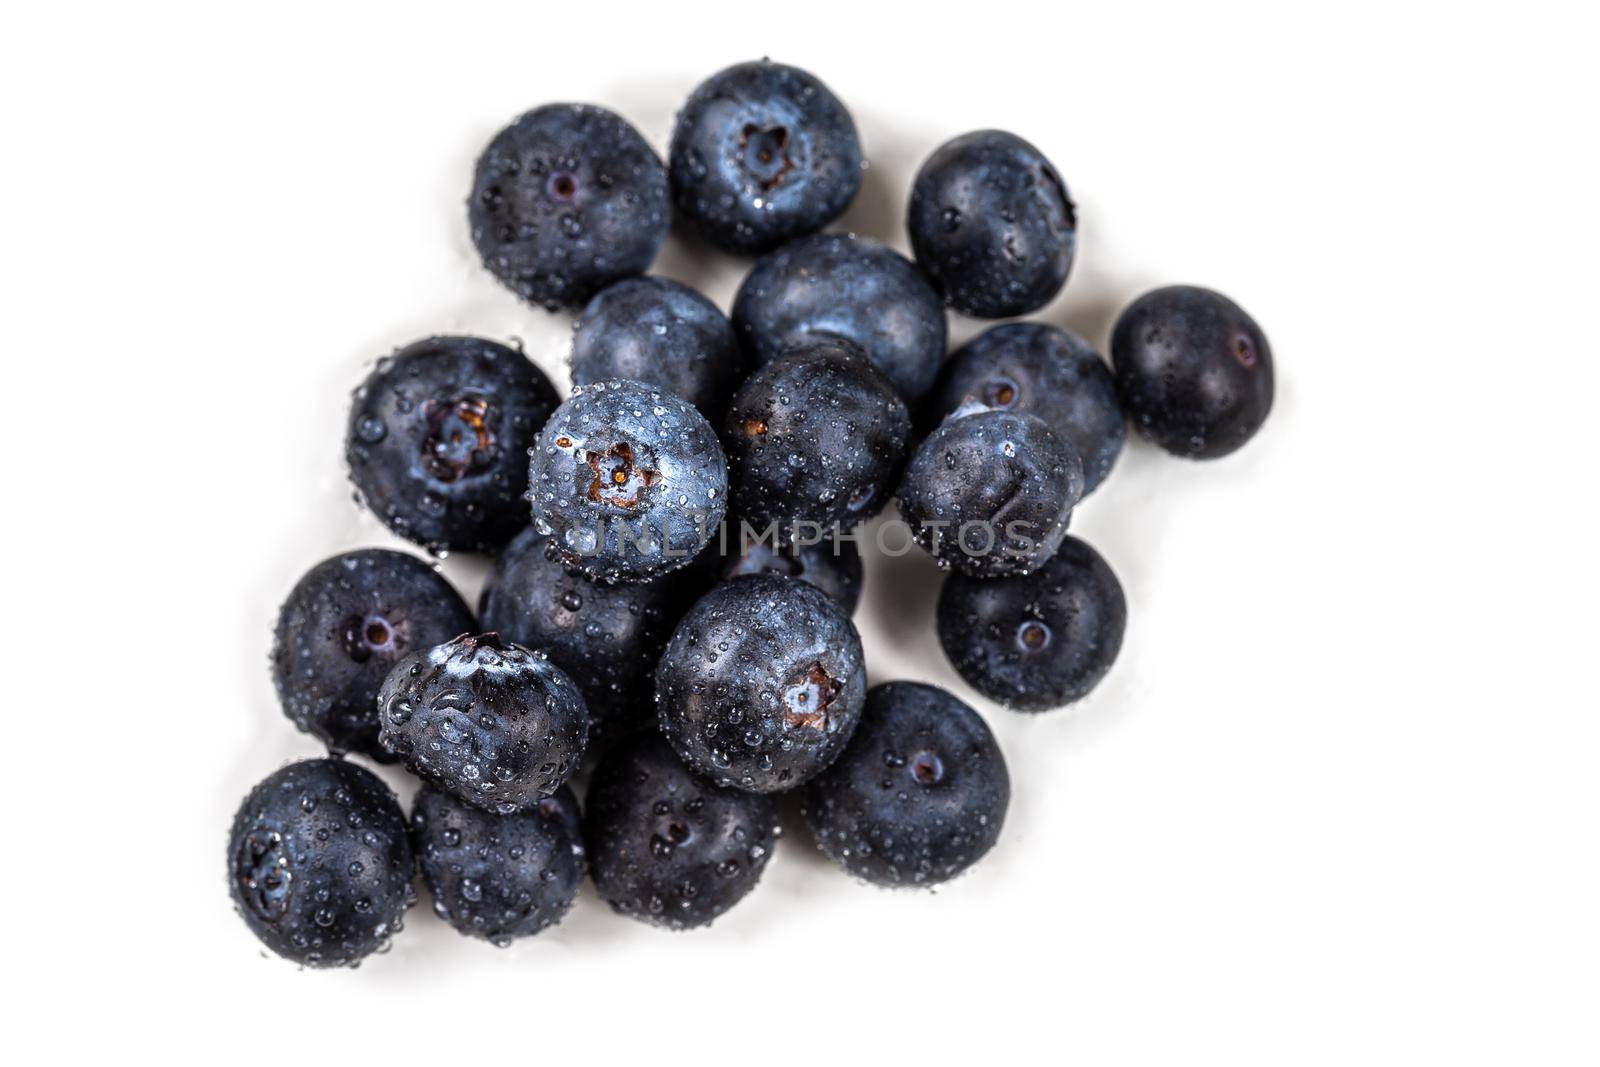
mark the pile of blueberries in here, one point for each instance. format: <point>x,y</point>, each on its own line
<point>677,559</point>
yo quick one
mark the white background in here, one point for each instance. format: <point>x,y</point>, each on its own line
<point>1336,803</point>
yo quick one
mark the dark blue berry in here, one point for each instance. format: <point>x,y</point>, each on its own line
<point>991,492</point>
<point>346,622</point>
<point>1195,371</point>
<point>628,480</point>
<point>438,441</point>
<point>815,436</point>
<point>489,721</point>
<point>606,638</point>
<point>656,331</point>
<point>761,153</point>
<point>499,877</point>
<point>831,564</point>
<point>848,287</point>
<point>566,200</point>
<point>992,224</point>
<point>1037,642</point>
<point>919,795</point>
<point>761,685</point>
<point>1033,369</point>
<point>319,863</point>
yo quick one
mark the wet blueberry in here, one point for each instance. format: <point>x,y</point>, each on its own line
<point>346,622</point>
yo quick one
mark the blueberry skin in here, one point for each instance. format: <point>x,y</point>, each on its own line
<point>566,200</point>
<point>657,331</point>
<point>761,685</point>
<point>992,224</point>
<point>346,622</point>
<point>1038,642</point>
<point>438,441</point>
<point>852,288</point>
<point>762,153</point>
<point>833,567</point>
<point>494,724</point>
<point>499,877</point>
<point>817,435</point>
<point>1033,369</point>
<point>606,638</point>
<point>628,480</point>
<point>1003,484</point>
<point>1195,371</point>
<point>319,863</point>
<point>667,847</point>
<point>918,797</point>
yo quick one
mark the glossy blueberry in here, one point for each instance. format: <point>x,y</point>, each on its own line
<point>762,153</point>
<point>606,638</point>
<point>491,722</point>
<point>1037,642</point>
<point>831,564</point>
<point>919,795</point>
<point>852,288</point>
<point>628,480</point>
<point>346,622</point>
<point>656,331</point>
<point>499,877</point>
<point>319,863</point>
<point>992,224</point>
<point>438,441</point>
<point>667,847</point>
<point>761,685</point>
<point>566,200</point>
<point>1033,369</point>
<point>990,493</point>
<point>1195,371</point>
<point>815,436</point>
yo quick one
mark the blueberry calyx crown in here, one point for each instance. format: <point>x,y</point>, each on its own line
<point>364,635</point>
<point>764,151</point>
<point>615,477</point>
<point>806,698</point>
<point>459,442</point>
<point>263,872</point>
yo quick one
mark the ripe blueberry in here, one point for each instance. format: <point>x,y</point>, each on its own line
<point>1037,642</point>
<point>499,877</point>
<point>493,723</point>
<point>761,685</point>
<point>319,863</point>
<point>919,795</point>
<point>667,847</point>
<point>566,200</point>
<point>1195,371</point>
<point>628,480</point>
<point>761,153</point>
<point>438,441</point>
<point>992,224</point>
<point>850,287</point>
<point>346,622</point>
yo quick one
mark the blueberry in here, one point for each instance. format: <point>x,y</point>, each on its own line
<point>628,480</point>
<point>606,638</point>
<point>849,287</point>
<point>499,877</point>
<point>1034,369</point>
<point>493,723</point>
<point>566,200</point>
<point>344,625</point>
<point>670,848</point>
<point>1195,371</point>
<point>762,153</point>
<point>832,564</point>
<point>1038,642</point>
<point>815,436</point>
<point>761,685</point>
<point>439,437</point>
<point>319,863</point>
<point>918,796</point>
<point>992,224</point>
<point>656,331</point>
<point>990,492</point>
